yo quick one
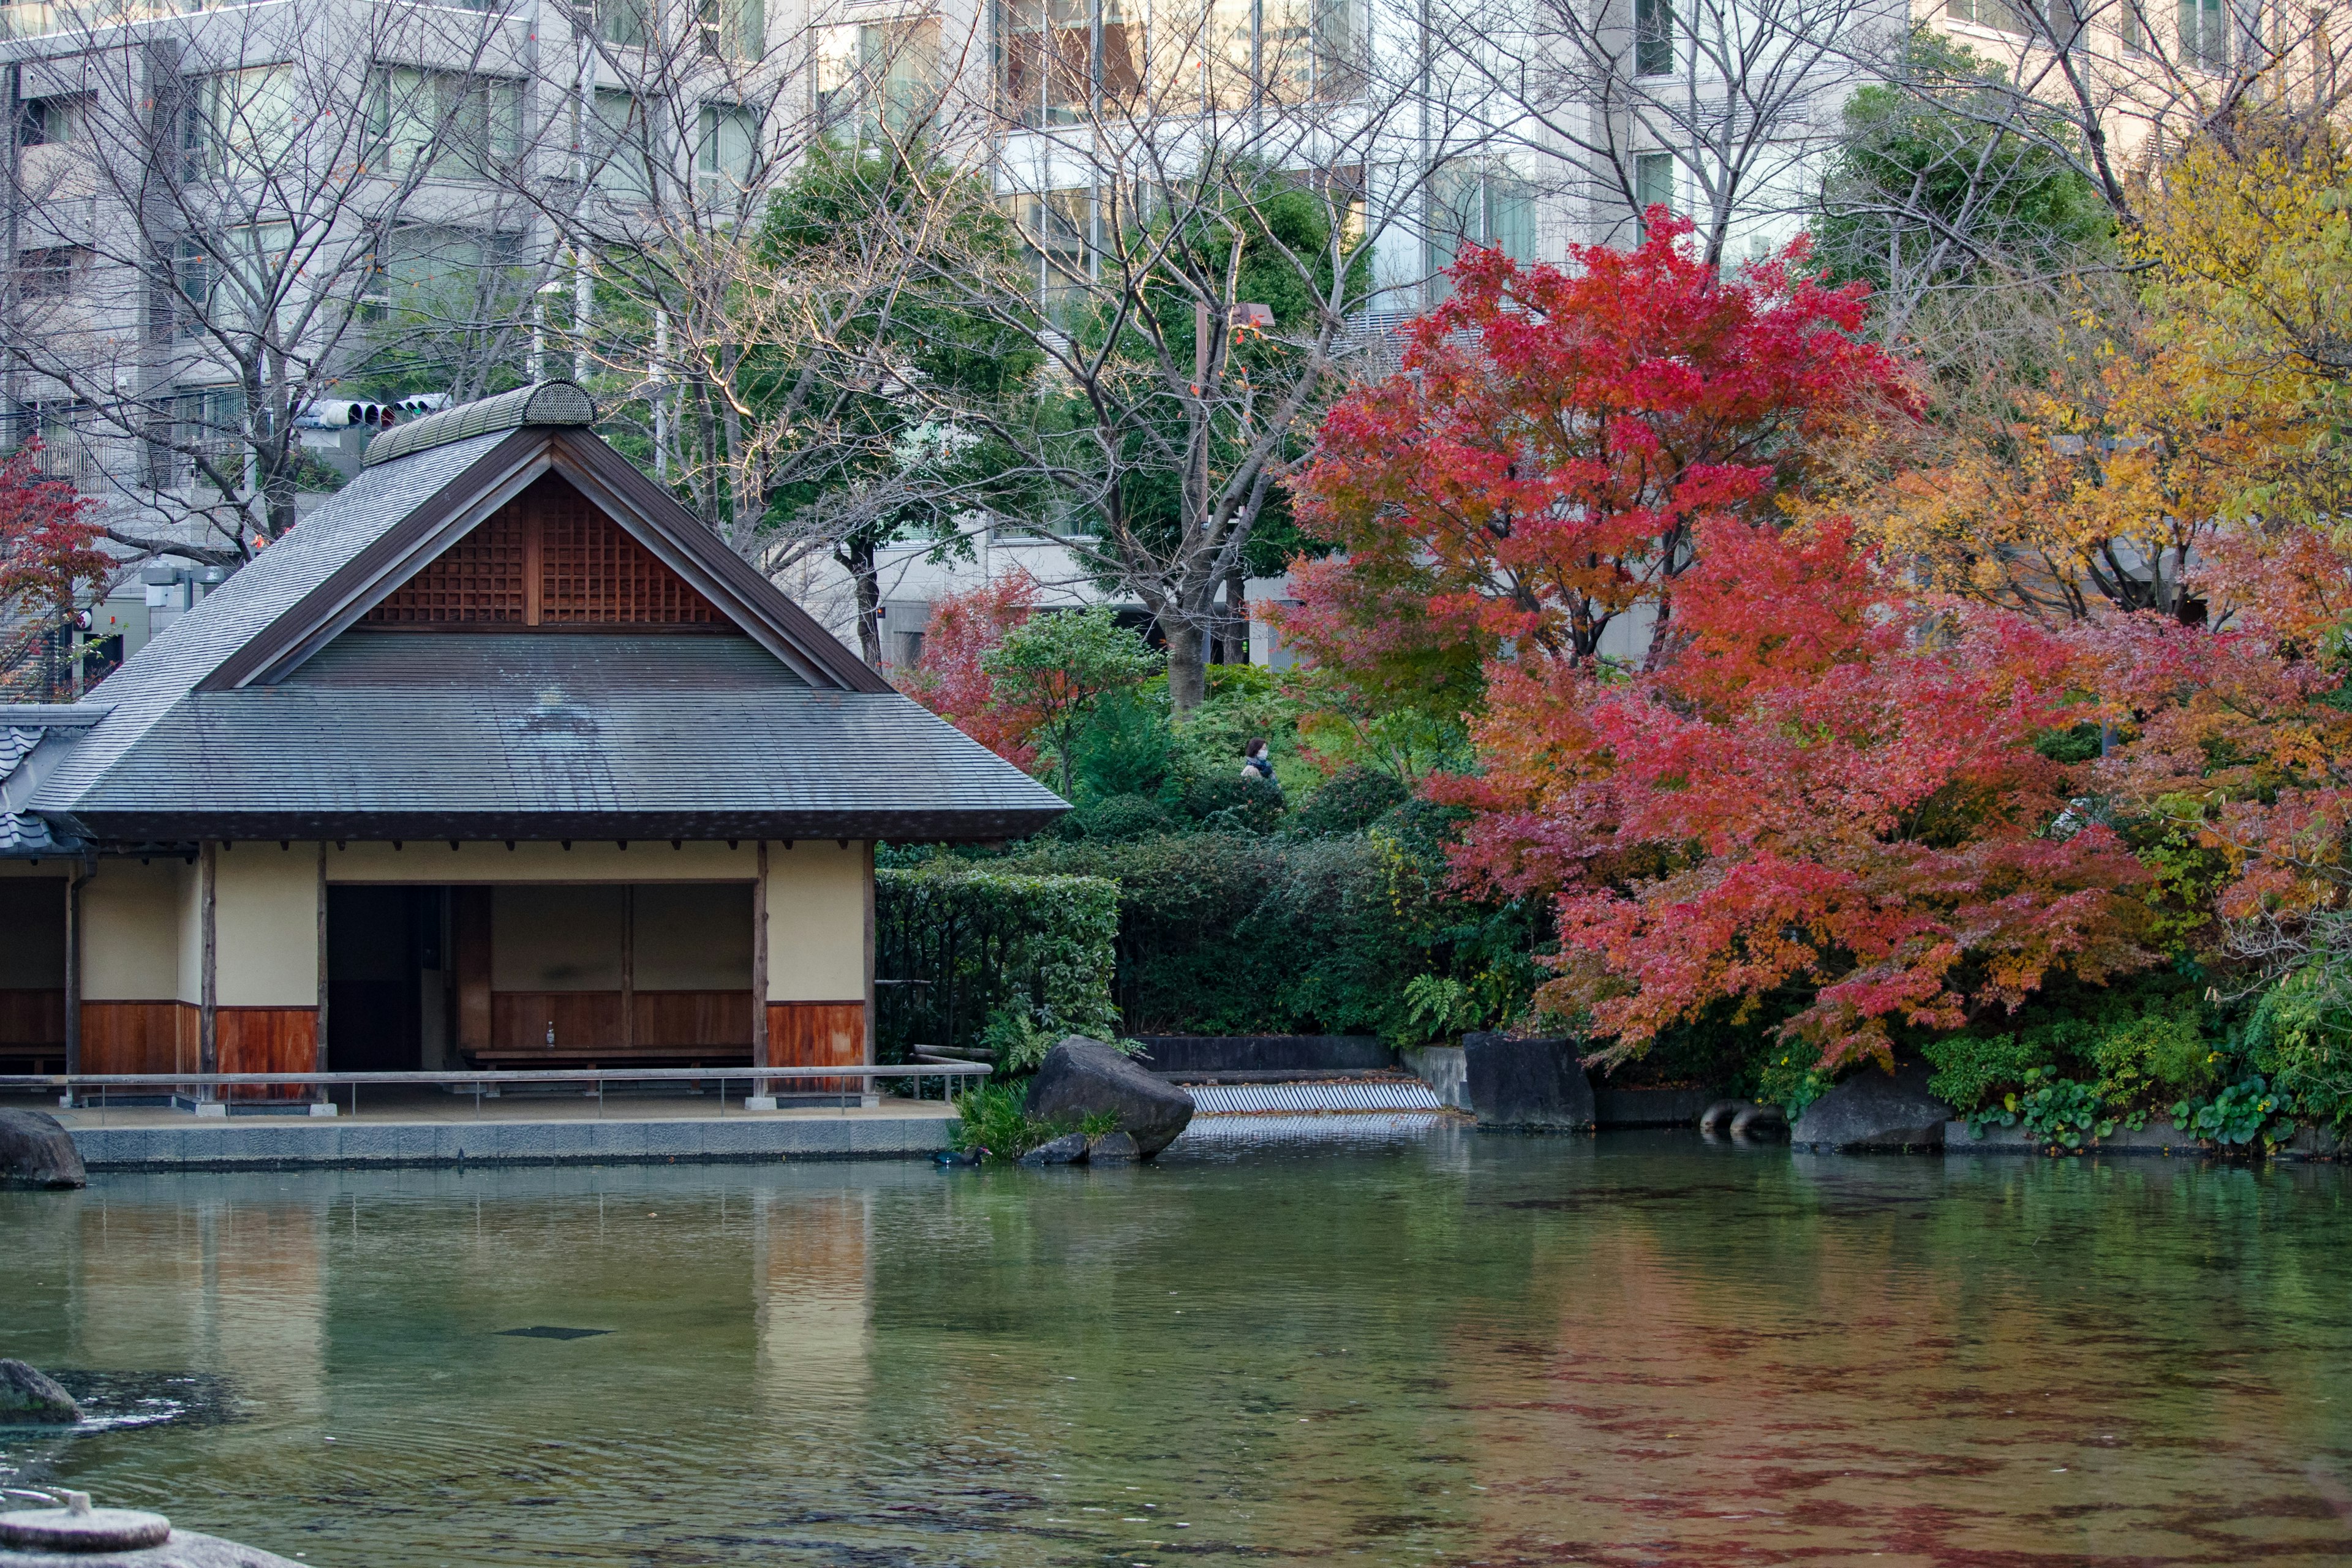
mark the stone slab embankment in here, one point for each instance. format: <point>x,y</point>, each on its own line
<point>274,1144</point>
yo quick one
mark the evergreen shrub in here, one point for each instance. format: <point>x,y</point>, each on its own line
<point>1005,957</point>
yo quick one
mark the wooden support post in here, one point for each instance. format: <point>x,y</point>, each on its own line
<point>873,1016</point>
<point>208,984</point>
<point>74,880</point>
<point>320,1093</point>
<point>628,966</point>
<point>759,1057</point>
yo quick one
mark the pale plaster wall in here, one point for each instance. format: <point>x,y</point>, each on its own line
<point>131,931</point>
<point>59,869</point>
<point>266,926</point>
<point>188,933</point>
<point>642,861</point>
<point>693,938</point>
<point>816,921</point>
<point>33,933</point>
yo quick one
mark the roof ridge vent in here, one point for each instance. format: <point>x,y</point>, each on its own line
<point>540,403</point>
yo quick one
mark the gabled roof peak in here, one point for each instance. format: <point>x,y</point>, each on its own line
<point>540,403</point>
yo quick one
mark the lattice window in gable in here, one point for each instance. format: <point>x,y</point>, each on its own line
<point>480,580</point>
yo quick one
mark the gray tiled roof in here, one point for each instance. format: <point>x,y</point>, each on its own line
<point>161,674</point>
<point>407,735</point>
<point>484,735</point>
<point>21,832</point>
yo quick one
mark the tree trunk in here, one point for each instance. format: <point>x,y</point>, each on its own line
<point>1188,663</point>
<point>856,557</point>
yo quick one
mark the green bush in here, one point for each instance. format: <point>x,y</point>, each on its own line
<point>2063,1112</point>
<point>1972,1068</point>
<point>995,953</point>
<point>1352,800</point>
<point>2140,1044</point>
<point>2249,1113</point>
<point>1117,817</point>
<point>994,1121</point>
<point>2300,1034</point>
<point>1227,933</point>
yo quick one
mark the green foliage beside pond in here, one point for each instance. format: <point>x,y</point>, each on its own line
<point>977,956</point>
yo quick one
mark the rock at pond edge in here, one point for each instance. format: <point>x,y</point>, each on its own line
<point>1875,1112</point>
<point>36,1150</point>
<point>1113,1149</point>
<point>28,1393</point>
<point>1069,1149</point>
<point>1082,1078</point>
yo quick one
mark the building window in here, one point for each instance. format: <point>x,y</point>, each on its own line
<point>54,121</point>
<point>2205,34</point>
<point>1054,228</point>
<point>1049,69</point>
<point>429,273</point>
<point>462,125</point>
<point>733,29</point>
<point>727,148</point>
<point>627,23</point>
<point>1256,52</point>
<point>49,273</point>
<point>230,278</point>
<point>207,426</point>
<point>1654,185</point>
<point>1653,38</point>
<point>2000,15</point>
<point>237,122</point>
<point>623,146</point>
<point>66,453</point>
<point>877,78</point>
<point>1480,204</point>
<point>2133,24</point>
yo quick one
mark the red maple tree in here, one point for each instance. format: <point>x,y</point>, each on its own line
<point>1538,469</point>
<point>1799,792</point>
<point>948,677</point>
<point>1824,805</point>
<point>49,546</point>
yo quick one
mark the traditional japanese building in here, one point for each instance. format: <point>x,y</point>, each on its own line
<point>499,758</point>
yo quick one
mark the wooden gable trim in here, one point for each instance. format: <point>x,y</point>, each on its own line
<point>395,556</point>
<point>674,536</point>
<point>679,539</point>
<point>553,560</point>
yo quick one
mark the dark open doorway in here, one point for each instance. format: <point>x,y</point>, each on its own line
<point>386,1007</point>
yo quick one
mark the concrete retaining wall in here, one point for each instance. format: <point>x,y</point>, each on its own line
<point>1262,1053</point>
<point>274,1143</point>
<point>1441,1068</point>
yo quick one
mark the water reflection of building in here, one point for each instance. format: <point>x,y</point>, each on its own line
<point>811,1274</point>
<point>223,1283</point>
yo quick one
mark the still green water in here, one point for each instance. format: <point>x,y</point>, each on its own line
<point>1435,1348</point>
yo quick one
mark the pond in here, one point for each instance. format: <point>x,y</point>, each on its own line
<point>1428,1347</point>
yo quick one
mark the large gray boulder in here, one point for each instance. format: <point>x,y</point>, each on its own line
<point>27,1393</point>
<point>1084,1077</point>
<point>1874,1112</point>
<point>36,1150</point>
<point>1529,1085</point>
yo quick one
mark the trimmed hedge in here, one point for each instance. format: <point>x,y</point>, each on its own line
<point>998,951</point>
<point>1226,934</point>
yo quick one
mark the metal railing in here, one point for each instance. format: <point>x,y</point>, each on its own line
<point>761,1082</point>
